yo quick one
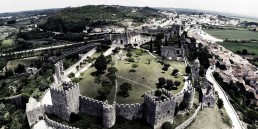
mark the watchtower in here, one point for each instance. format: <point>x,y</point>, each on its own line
<point>65,99</point>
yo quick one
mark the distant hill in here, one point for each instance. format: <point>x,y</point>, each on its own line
<point>30,13</point>
<point>75,19</point>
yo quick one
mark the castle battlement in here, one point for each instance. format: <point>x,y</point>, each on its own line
<point>57,125</point>
<point>128,106</point>
<point>91,100</point>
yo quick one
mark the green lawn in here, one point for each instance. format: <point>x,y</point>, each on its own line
<point>146,74</point>
<point>210,117</point>
<point>89,88</point>
<point>233,34</point>
<point>250,47</point>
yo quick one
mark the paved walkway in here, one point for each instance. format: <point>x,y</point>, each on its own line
<point>227,105</point>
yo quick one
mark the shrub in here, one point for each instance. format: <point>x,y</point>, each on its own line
<point>158,93</point>
<point>129,54</point>
<point>71,75</point>
<point>135,65</point>
<point>132,70</point>
<point>174,72</point>
<point>97,79</point>
<point>167,65</point>
<point>220,103</point>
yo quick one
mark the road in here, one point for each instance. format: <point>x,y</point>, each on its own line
<point>227,105</point>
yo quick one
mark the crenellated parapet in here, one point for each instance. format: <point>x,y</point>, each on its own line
<point>91,106</point>
<point>129,111</point>
<point>56,125</point>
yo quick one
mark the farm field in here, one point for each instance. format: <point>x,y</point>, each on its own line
<point>233,34</point>
<point>250,47</point>
<point>142,80</point>
<point>26,62</point>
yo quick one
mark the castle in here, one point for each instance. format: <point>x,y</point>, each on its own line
<point>66,99</point>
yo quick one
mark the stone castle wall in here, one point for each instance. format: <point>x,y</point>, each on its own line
<point>190,120</point>
<point>56,125</point>
<point>158,112</point>
<point>34,115</point>
<point>129,111</point>
<point>91,106</point>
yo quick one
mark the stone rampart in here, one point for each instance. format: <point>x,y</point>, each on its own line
<point>129,111</point>
<point>109,115</point>
<point>57,125</point>
<point>190,120</point>
<point>91,106</point>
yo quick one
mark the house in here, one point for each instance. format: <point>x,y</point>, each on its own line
<point>127,38</point>
<point>208,94</point>
<point>172,52</point>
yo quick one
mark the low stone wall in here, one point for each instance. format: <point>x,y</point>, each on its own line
<point>16,99</point>
<point>129,111</point>
<point>91,106</point>
<point>190,120</point>
<point>56,125</point>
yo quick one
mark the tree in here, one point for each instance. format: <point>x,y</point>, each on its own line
<point>103,91</point>
<point>166,125</point>
<point>162,81</point>
<point>151,46</point>
<point>174,72</point>
<point>244,52</point>
<point>135,66</point>
<point>220,103</point>
<point>101,63</point>
<point>129,54</point>
<point>20,69</point>
<point>158,93</point>
<point>170,83</point>
<point>166,42</point>
<point>9,73</point>
<point>202,71</point>
<point>126,87</point>
<point>187,69</point>
<point>177,83</point>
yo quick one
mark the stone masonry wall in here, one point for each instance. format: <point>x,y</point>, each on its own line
<point>33,115</point>
<point>91,106</point>
<point>129,111</point>
<point>190,120</point>
<point>56,125</point>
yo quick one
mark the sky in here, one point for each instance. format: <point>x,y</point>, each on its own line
<point>243,7</point>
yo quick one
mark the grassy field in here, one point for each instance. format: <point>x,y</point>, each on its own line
<point>143,80</point>
<point>26,61</point>
<point>210,117</point>
<point>250,47</point>
<point>233,34</point>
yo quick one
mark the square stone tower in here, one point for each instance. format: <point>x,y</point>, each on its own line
<point>65,100</point>
<point>159,108</point>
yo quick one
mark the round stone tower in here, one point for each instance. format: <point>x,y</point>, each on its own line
<point>195,72</point>
<point>109,115</point>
